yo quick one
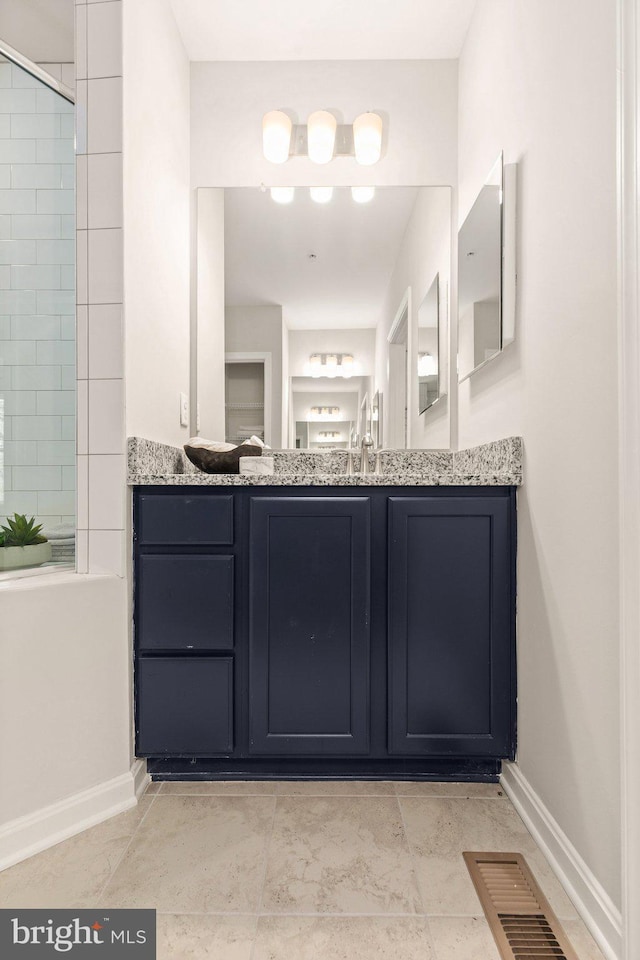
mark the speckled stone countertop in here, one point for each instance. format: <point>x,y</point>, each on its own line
<point>491,464</point>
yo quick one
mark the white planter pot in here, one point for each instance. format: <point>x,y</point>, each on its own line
<point>13,558</point>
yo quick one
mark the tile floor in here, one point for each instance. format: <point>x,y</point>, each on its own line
<point>310,871</point>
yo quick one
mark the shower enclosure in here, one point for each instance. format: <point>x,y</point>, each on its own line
<point>37,301</point>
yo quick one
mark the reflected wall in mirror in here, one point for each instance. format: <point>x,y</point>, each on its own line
<point>486,272</point>
<point>306,299</point>
<point>429,347</point>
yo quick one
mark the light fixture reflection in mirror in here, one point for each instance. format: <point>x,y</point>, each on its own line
<point>283,194</point>
<point>367,138</point>
<point>276,136</point>
<point>321,136</point>
<point>321,194</point>
<point>363,194</point>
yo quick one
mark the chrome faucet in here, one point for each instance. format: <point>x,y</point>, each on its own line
<point>367,444</point>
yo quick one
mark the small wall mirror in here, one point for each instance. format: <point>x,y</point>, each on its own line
<point>486,273</point>
<point>428,347</point>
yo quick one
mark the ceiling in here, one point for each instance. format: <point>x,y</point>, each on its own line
<point>323,29</point>
<point>268,247</point>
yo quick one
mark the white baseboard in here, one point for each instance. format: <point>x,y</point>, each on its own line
<point>141,778</point>
<point>592,902</point>
<point>25,836</point>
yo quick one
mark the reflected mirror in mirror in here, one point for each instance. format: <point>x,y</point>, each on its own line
<point>428,347</point>
<point>480,278</point>
<point>376,419</point>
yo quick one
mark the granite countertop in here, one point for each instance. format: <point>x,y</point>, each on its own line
<point>492,464</point>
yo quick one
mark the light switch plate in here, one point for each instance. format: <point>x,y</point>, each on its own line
<point>184,410</point>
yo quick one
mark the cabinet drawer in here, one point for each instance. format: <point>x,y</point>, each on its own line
<point>184,602</point>
<point>185,706</point>
<point>184,519</point>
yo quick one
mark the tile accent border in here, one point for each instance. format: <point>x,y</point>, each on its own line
<point>589,897</point>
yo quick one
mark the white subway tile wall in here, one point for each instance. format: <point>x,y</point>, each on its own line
<point>37,297</point>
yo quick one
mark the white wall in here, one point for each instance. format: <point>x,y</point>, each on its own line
<point>417,100</point>
<point>259,329</point>
<point>156,223</point>
<point>425,251</point>
<point>539,81</point>
<point>210,322</point>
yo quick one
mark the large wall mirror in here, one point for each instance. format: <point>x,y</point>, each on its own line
<point>486,273</point>
<point>292,332</point>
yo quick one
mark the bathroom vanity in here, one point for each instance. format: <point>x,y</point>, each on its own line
<point>314,624</point>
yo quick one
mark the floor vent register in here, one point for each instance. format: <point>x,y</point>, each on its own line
<point>522,922</point>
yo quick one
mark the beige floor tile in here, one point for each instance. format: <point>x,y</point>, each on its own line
<point>335,788</point>
<point>463,938</point>
<point>196,855</point>
<point>439,830</point>
<point>205,937</point>
<point>74,872</point>
<point>343,938</point>
<point>219,788</point>
<point>581,940</point>
<point>339,855</point>
<point>424,789</point>
<point>152,789</point>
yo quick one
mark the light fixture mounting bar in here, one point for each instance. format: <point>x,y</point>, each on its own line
<point>344,145</point>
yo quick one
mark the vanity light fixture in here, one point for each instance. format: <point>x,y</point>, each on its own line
<point>321,194</point>
<point>329,435</point>
<point>276,136</point>
<point>363,194</point>
<point>321,139</point>
<point>282,194</point>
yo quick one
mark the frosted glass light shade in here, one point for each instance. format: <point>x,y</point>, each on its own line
<point>347,365</point>
<point>315,364</point>
<point>321,194</point>
<point>367,138</point>
<point>276,136</point>
<point>363,194</point>
<point>282,194</point>
<point>321,136</point>
<point>331,364</point>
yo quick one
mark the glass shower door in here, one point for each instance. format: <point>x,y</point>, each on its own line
<point>37,315</point>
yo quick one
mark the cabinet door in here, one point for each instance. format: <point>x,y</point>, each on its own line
<point>309,626</point>
<point>450,626</point>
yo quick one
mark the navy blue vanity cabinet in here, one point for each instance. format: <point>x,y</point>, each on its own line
<point>362,631</point>
<point>450,626</point>
<point>309,625</point>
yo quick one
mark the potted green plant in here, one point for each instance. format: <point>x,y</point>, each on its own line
<point>22,544</point>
